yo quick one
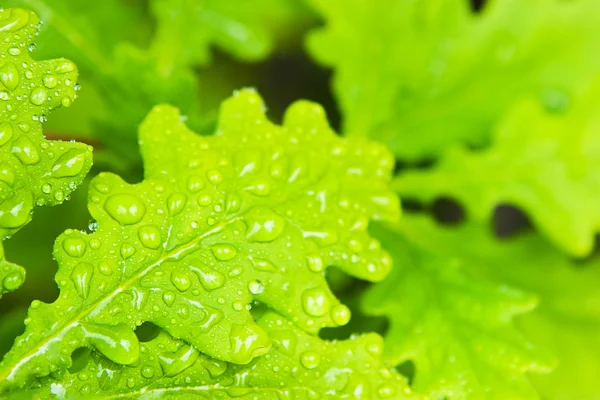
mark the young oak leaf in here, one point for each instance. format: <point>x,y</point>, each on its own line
<point>545,164</point>
<point>255,212</point>
<point>298,366</point>
<point>453,324</point>
<point>422,77</point>
<point>33,170</point>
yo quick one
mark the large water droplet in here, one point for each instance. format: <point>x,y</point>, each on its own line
<point>74,246</point>
<point>6,173</point>
<point>38,96</point>
<point>223,251</point>
<point>211,317</point>
<point>6,132</point>
<point>50,81</point>
<point>24,149</point>
<point>209,278</point>
<point>168,298</point>
<point>256,287</point>
<point>118,343</point>
<point>175,363</point>
<point>176,202</point>
<point>315,302</point>
<point>340,314</point>
<point>247,342</point>
<point>14,212</point>
<point>264,225</point>
<point>180,281</point>
<point>9,76</point>
<point>263,265</point>
<point>13,281</point>
<point>82,277</point>
<point>64,66</point>
<point>147,371</point>
<point>195,183</point>
<point>125,208</point>
<point>315,263</point>
<point>127,250</point>
<point>105,268</point>
<point>310,359</point>
<point>149,236</point>
<point>69,164</point>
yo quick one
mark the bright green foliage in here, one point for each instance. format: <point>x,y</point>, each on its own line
<point>33,170</point>
<point>424,75</point>
<point>567,319</point>
<point>300,366</point>
<point>547,165</point>
<point>254,213</point>
<point>133,68</point>
<point>454,324</point>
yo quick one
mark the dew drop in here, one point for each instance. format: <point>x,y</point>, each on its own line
<point>50,81</point>
<point>38,96</point>
<point>81,277</point>
<point>172,364</point>
<point>74,246</point>
<point>14,212</point>
<point>105,268</point>
<point>176,202</point>
<point>24,149</point>
<point>195,183</point>
<point>264,225</point>
<point>168,298</point>
<point>340,314</point>
<point>125,208</point>
<point>315,302</point>
<point>13,281</point>
<point>256,287</point>
<point>69,164</point>
<point>180,281</point>
<point>247,342</point>
<point>9,76</point>
<point>147,371</point>
<point>223,251</point>
<point>209,278</point>
<point>149,235</point>
<point>310,359</point>
<point>6,132</point>
<point>6,174</point>
<point>315,263</point>
<point>127,250</point>
<point>118,343</point>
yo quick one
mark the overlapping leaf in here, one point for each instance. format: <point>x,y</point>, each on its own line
<point>254,213</point>
<point>421,77</point>
<point>567,319</point>
<point>546,165</point>
<point>299,366</point>
<point>33,170</point>
<point>453,322</point>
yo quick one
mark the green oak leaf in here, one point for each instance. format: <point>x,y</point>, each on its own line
<point>298,366</point>
<point>545,164</point>
<point>421,77</point>
<point>567,318</point>
<point>254,213</point>
<point>33,170</point>
<point>454,324</point>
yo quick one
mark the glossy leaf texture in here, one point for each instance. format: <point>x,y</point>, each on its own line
<point>132,61</point>
<point>547,165</point>
<point>423,76</point>
<point>299,366</point>
<point>33,171</point>
<point>567,318</point>
<point>254,213</point>
<point>454,323</point>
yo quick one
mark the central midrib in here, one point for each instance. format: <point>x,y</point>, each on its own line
<point>9,371</point>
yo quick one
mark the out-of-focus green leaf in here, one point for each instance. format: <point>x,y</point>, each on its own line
<point>423,75</point>
<point>455,325</point>
<point>547,165</point>
<point>33,171</point>
<point>299,366</point>
<point>567,318</point>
